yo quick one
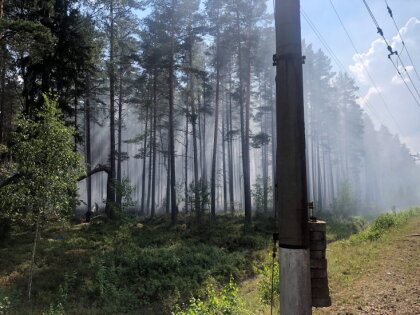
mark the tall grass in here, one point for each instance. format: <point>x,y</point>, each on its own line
<point>383,224</point>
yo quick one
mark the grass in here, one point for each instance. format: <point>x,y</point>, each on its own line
<point>360,256</point>
<point>348,259</point>
<point>352,256</point>
<point>145,266</point>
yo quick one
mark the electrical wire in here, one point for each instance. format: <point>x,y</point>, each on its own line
<point>374,85</point>
<point>322,40</point>
<point>391,53</point>
<point>368,107</point>
<point>391,14</point>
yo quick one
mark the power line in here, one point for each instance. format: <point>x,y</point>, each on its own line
<point>378,91</point>
<point>402,78</point>
<point>391,53</point>
<point>402,39</point>
<point>368,107</point>
<point>322,40</point>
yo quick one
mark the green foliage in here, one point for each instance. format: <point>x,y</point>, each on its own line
<point>5,227</point>
<point>269,283</point>
<point>5,305</point>
<point>225,302</point>
<point>142,264</point>
<point>383,224</point>
<point>46,166</point>
<point>203,194</point>
<point>57,309</point>
<point>344,204</point>
<point>260,139</point>
<point>125,190</point>
<point>137,266</point>
<point>259,194</point>
<point>340,227</point>
<point>130,277</point>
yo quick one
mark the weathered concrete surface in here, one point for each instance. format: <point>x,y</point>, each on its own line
<point>295,272</point>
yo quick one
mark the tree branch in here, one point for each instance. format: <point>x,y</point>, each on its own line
<point>97,169</point>
<point>11,180</point>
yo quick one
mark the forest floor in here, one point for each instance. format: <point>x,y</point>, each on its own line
<point>88,269</point>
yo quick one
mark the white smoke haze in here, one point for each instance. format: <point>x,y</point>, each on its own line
<point>403,108</point>
<point>346,152</point>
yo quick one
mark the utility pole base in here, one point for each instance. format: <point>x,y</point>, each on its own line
<point>295,279</point>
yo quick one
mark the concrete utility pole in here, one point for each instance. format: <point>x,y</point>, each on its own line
<point>291,200</point>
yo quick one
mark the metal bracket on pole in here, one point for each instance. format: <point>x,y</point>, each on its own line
<point>287,57</point>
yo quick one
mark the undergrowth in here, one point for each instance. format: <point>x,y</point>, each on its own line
<point>215,302</point>
<point>138,265</point>
<point>383,224</point>
<point>145,266</point>
<point>339,227</point>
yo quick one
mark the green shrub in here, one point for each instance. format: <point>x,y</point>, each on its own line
<point>127,276</point>
<point>5,305</point>
<point>5,228</point>
<point>225,302</point>
<point>339,227</point>
<point>55,310</point>
<point>251,242</point>
<point>383,224</point>
<point>269,283</point>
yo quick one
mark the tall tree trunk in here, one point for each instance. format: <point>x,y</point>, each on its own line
<point>319,184</point>
<point>88,157</point>
<point>75,122</point>
<point>2,91</point>
<point>194,117</point>
<point>168,184</point>
<point>204,155</point>
<point>110,199</point>
<point>31,271</point>
<point>331,177</point>
<point>149,180</point>
<point>143,175</point>
<point>230,150</point>
<point>225,197</point>
<point>119,155</point>
<point>244,113</point>
<point>152,208</point>
<point>245,158</point>
<point>324,181</point>
<point>216,126</point>
<point>174,207</point>
<point>186,158</point>
<point>2,83</point>
<point>200,132</point>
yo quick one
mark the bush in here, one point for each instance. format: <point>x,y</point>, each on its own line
<point>225,302</point>
<point>339,227</point>
<point>5,305</point>
<point>127,276</point>
<point>384,223</point>
<point>5,227</point>
<point>269,283</point>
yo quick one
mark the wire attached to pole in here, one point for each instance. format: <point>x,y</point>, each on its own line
<point>274,255</point>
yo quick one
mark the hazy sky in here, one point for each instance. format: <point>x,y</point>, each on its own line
<point>403,115</point>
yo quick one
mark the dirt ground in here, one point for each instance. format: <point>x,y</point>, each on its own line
<point>392,283</point>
